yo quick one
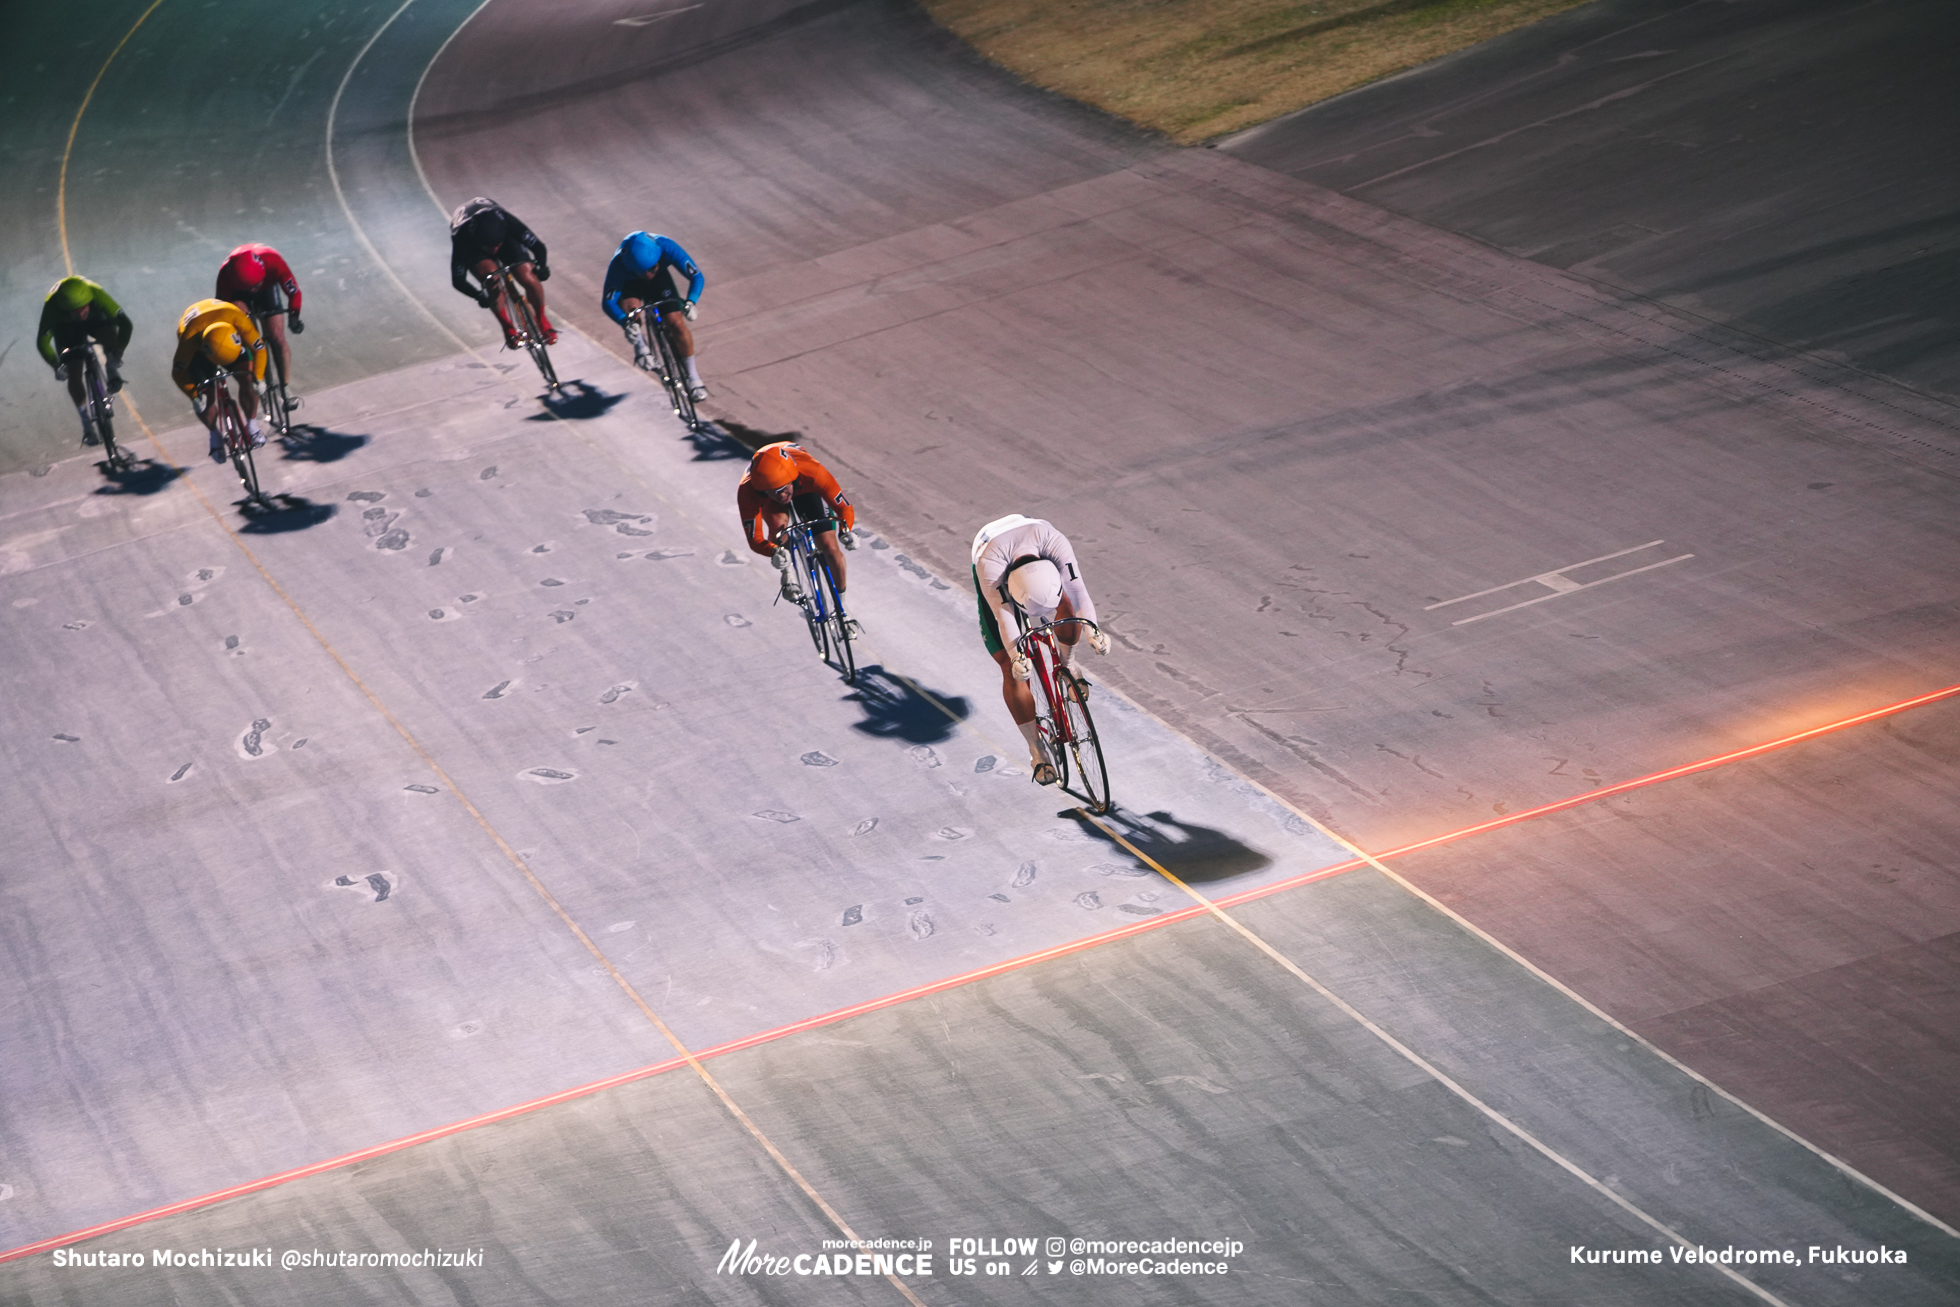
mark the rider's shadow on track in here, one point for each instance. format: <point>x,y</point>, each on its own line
<point>725,439</point>
<point>288,513</point>
<point>893,710</point>
<point>575,401</point>
<point>144,477</point>
<point>318,445</point>
<point>1188,852</point>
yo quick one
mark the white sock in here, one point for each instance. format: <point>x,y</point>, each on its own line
<point>83,410</point>
<point>1032,735</point>
<point>253,426</point>
<point>693,377</point>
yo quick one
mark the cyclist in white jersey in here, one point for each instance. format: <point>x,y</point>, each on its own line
<point>1026,561</point>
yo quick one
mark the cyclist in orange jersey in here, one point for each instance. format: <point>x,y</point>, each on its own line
<point>217,336</point>
<point>782,476</point>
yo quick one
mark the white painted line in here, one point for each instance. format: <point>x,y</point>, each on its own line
<point>1569,588</point>
<point>647,20</point>
<point>1540,578</point>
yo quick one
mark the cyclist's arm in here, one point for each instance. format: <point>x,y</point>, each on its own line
<point>826,484</point>
<point>45,340</point>
<point>180,366</point>
<point>609,295</point>
<point>1054,546</point>
<point>684,265</point>
<point>753,509</point>
<point>990,568</point>
<point>459,272</point>
<point>278,270</point>
<point>123,329</point>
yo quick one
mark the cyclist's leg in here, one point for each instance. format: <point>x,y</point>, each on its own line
<point>486,273</point>
<point>683,337</point>
<point>275,330</point>
<point>75,359</point>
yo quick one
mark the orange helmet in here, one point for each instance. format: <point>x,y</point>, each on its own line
<point>222,344</point>
<point>773,467</point>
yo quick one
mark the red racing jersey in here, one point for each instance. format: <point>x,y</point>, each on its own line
<point>232,286</point>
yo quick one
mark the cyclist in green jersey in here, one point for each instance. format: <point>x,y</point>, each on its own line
<point>75,312</point>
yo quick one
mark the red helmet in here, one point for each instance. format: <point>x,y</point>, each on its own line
<point>248,268</point>
<point>773,467</point>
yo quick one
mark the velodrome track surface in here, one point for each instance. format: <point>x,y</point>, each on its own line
<point>1382,416</point>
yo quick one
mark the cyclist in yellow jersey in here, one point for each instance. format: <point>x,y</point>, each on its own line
<point>215,336</point>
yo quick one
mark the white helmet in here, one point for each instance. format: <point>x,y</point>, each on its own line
<point>1036,586</point>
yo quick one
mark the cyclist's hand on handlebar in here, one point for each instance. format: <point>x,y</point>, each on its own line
<point>780,557</point>
<point>1018,664</point>
<point>296,324</point>
<point>1098,641</point>
<point>61,372</point>
<point>846,538</point>
<point>485,299</point>
<point>690,310</point>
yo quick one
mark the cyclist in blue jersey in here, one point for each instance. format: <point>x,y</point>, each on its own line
<point>645,270</point>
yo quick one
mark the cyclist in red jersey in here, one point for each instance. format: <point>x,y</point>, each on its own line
<point>252,276</point>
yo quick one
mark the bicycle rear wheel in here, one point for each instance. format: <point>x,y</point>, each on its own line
<point>1084,747</point>
<point>840,656</point>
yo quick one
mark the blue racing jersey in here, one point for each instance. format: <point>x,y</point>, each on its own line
<point>643,257</point>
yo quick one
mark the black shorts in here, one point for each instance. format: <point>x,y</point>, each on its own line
<point>814,509</point>
<point>657,289</point>
<point>265,300</point>
<point>70,336</point>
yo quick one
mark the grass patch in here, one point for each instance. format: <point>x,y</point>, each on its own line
<point>1195,69</point>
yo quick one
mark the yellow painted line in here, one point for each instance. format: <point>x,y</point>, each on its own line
<point>1422,1063</point>
<point>61,188</point>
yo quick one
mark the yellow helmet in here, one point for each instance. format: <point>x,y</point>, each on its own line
<point>222,344</point>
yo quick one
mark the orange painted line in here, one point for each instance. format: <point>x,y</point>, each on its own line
<point>954,982</point>
<point>1674,773</point>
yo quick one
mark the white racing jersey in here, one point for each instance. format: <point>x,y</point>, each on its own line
<point>1000,543</point>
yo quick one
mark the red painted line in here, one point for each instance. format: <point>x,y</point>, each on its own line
<point>954,982</point>
<point>1674,773</point>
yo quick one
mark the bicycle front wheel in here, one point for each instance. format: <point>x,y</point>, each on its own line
<point>97,390</point>
<point>841,656</point>
<point>1084,747</point>
<point>674,373</point>
<point>527,323</point>
<point>231,422</point>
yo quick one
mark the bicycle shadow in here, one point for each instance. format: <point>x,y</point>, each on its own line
<point>311,444</point>
<point>726,438</point>
<point>894,710</point>
<point>143,477</point>
<point>575,401</point>
<point>1186,850</point>
<point>288,513</point>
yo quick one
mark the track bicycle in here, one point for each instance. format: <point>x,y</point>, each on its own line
<point>1062,713</point>
<point>279,401</point>
<point>523,321</point>
<point>101,405</point>
<point>229,422</point>
<point>665,359</point>
<point>823,607</point>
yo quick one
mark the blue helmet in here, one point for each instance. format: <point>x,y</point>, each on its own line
<point>642,250</point>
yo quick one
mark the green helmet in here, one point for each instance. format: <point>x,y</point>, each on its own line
<point>72,292</point>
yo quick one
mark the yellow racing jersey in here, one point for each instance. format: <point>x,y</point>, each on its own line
<point>191,346</point>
